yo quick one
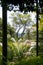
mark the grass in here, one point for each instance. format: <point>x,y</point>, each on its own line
<point>17,50</point>
<point>16,57</point>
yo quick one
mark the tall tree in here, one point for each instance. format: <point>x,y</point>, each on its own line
<point>21,22</point>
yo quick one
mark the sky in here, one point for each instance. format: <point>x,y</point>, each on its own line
<point>0,12</point>
<point>8,15</point>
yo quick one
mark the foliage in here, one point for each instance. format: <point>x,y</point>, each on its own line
<point>16,50</point>
<point>20,22</point>
<point>29,61</point>
<point>0,29</point>
<point>10,31</point>
<point>41,36</point>
<point>0,55</point>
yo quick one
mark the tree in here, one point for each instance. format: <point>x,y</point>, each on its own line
<point>21,21</point>
<point>10,30</point>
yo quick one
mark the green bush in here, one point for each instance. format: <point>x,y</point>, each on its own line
<point>31,61</point>
<point>28,61</point>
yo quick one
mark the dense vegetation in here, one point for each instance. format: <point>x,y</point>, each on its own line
<point>20,51</point>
